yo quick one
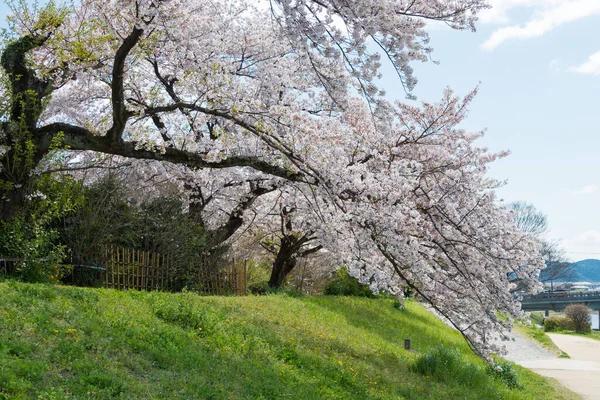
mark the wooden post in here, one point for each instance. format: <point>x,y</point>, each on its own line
<point>407,344</point>
<point>242,279</point>
<point>112,265</point>
<point>119,258</point>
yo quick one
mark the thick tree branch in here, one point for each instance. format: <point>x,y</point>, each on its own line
<point>77,138</point>
<point>224,114</point>
<point>310,251</point>
<point>235,219</point>
<point>28,90</point>
<point>120,114</point>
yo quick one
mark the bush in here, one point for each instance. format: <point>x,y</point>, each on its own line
<point>505,373</point>
<point>580,315</point>
<point>345,285</point>
<point>104,216</point>
<point>258,274</point>
<point>165,227</point>
<point>263,288</point>
<point>436,363</point>
<point>552,324</point>
<point>444,364</point>
<point>31,236</point>
<point>161,225</point>
<point>33,243</point>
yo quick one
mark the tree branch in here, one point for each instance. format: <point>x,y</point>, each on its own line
<point>120,114</point>
<point>78,138</point>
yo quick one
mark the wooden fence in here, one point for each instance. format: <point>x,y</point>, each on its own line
<point>136,269</point>
<point>145,270</point>
<point>126,268</point>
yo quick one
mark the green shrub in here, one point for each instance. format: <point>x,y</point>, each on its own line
<point>257,275</point>
<point>437,362</point>
<point>161,225</point>
<point>32,242</point>
<point>345,285</point>
<point>504,372</point>
<point>263,288</point>
<point>184,312</point>
<point>31,235</point>
<point>259,288</point>
<point>553,324</point>
<point>446,364</point>
<point>104,216</point>
<point>399,304</point>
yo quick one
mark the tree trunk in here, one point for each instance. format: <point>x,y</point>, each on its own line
<point>281,271</point>
<point>284,262</point>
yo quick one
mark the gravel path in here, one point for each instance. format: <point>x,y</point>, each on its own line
<point>522,349</point>
<point>580,373</point>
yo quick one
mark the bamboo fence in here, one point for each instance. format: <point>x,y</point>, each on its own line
<point>127,268</point>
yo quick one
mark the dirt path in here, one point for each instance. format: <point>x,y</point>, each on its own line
<point>580,373</point>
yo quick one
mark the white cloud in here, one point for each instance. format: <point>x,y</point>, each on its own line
<point>498,14</point>
<point>591,66</point>
<point>588,189</point>
<point>584,245</point>
<point>546,16</point>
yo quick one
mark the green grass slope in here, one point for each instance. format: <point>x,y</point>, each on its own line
<point>61,342</point>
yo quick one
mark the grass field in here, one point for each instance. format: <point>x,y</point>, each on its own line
<point>60,342</point>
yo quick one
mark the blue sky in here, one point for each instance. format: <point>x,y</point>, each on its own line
<point>538,62</point>
<point>540,98</point>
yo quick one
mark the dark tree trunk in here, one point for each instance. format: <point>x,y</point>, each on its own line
<point>284,262</point>
<point>290,250</point>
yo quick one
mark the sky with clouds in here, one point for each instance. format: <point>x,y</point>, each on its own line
<point>537,63</point>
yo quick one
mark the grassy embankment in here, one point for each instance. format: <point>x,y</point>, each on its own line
<point>64,342</point>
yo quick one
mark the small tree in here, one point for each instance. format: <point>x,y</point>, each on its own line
<point>528,219</point>
<point>557,268</point>
<point>580,315</point>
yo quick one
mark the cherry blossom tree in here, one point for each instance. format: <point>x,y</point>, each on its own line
<point>421,212</point>
<point>287,89</point>
<point>205,83</point>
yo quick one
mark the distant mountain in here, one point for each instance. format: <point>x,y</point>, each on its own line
<point>584,271</point>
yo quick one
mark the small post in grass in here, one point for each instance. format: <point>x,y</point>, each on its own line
<point>407,344</point>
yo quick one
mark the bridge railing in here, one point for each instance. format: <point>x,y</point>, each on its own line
<point>562,296</point>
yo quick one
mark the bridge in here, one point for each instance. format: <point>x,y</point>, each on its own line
<point>557,301</point>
